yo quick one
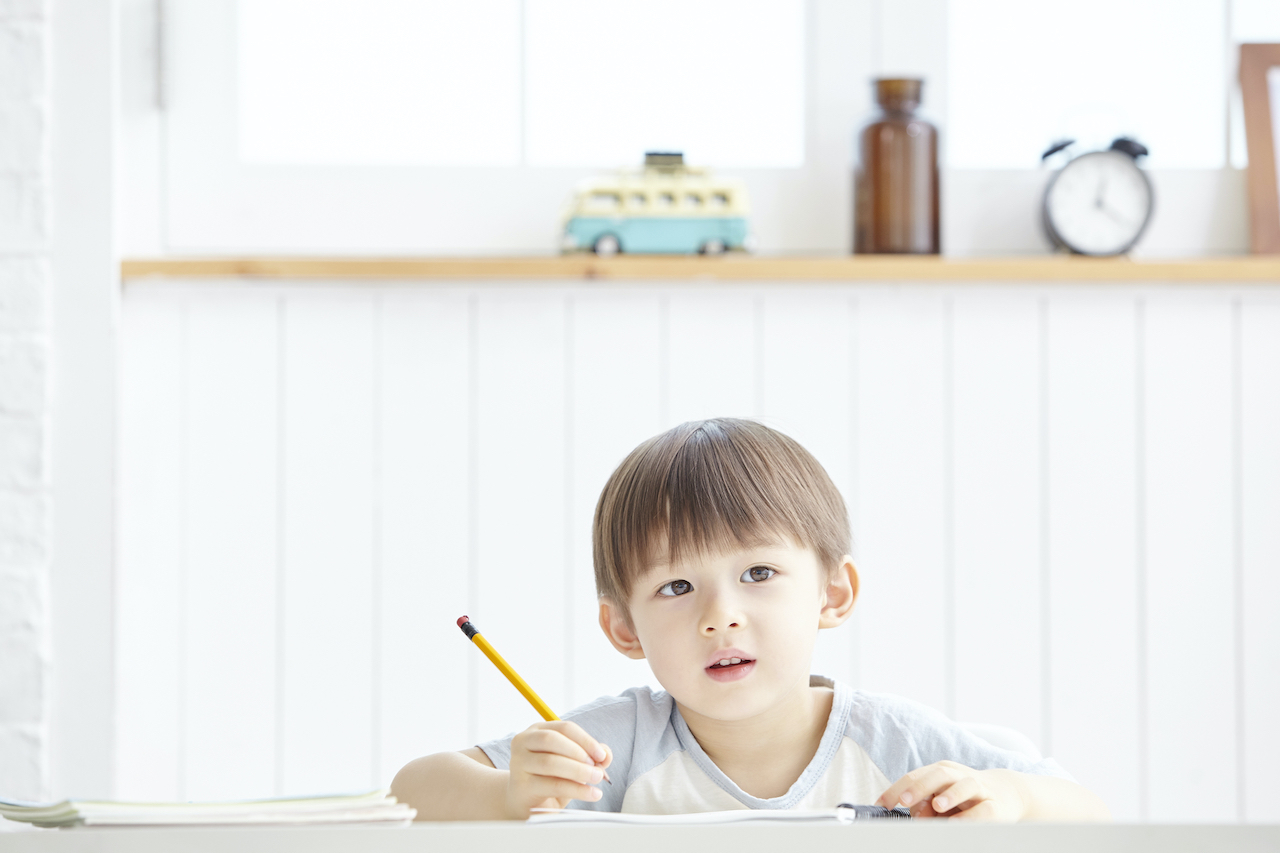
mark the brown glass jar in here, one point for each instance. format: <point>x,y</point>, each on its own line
<point>895,184</point>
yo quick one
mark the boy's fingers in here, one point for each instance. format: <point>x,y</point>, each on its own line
<point>893,794</point>
<point>561,767</point>
<point>574,732</point>
<point>546,787</point>
<point>920,784</point>
<point>984,811</point>
<point>963,790</point>
<point>556,742</point>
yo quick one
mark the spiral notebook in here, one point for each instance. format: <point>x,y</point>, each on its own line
<point>841,814</point>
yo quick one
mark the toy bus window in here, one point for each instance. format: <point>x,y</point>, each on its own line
<point>691,200</point>
<point>638,200</point>
<point>719,200</point>
<point>606,201</point>
<point>666,199</point>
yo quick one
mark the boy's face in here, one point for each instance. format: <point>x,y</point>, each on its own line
<point>758,606</point>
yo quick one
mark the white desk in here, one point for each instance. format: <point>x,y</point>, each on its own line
<point>919,837</point>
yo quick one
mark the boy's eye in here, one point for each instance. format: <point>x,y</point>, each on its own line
<point>676,588</point>
<point>755,574</point>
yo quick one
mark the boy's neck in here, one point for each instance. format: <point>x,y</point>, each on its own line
<point>766,754</point>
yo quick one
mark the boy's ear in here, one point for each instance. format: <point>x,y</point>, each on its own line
<point>839,595</point>
<point>614,624</point>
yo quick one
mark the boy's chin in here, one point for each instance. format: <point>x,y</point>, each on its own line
<point>726,702</point>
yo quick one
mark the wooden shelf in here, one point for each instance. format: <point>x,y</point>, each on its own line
<point>1258,269</point>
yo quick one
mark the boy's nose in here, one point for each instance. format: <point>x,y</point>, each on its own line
<point>720,617</point>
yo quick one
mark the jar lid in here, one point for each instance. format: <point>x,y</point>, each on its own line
<point>898,93</point>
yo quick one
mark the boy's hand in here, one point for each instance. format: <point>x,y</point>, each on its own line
<point>552,763</point>
<point>947,789</point>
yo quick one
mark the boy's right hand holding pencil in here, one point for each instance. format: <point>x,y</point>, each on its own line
<point>552,763</point>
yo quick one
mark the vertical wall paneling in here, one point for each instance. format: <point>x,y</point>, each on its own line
<point>1092,539</point>
<point>230,499</point>
<point>149,582</point>
<point>1190,571</point>
<point>805,366</point>
<point>616,404</point>
<point>902,465</point>
<point>423,444</point>
<point>329,508</point>
<point>1259,470</point>
<point>315,482</point>
<point>713,354</point>
<point>520,483</point>
<point>996,497</point>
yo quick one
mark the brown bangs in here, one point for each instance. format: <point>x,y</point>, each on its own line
<point>709,486</point>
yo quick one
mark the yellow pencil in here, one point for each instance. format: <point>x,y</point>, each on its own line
<point>505,668</point>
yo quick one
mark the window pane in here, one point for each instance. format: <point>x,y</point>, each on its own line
<point>379,82</point>
<point>1024,74</point>
<point>720,80</point>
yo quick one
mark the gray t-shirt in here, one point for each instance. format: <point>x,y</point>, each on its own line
<point>870,741</point>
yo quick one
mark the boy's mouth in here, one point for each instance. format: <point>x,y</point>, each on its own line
<point>730,666</point>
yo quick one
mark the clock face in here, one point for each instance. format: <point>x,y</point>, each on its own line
<point>1098,203</point>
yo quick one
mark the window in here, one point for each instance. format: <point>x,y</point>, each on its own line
<point>388,126</point>
<point>379,82</point>
<point>1021,75</point>
<point>557,82</point>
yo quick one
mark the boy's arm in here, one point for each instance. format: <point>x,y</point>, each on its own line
<point>453,786</point>
<point>552,763</point>
<point>1053,798</point>
<point>948,789</point>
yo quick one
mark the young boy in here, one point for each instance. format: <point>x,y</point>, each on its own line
<point>721,548</point>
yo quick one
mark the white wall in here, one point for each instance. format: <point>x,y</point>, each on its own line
<point>58,296</point>
<point>1063,501</point>
<point>86,296</point>
<point>25,355</point>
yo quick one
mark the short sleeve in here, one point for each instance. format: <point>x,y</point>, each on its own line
<point>900,735</point>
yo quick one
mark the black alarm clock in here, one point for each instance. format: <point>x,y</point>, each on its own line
<point>1100,202</point>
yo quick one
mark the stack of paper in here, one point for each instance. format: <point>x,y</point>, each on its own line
<point>373,807</point>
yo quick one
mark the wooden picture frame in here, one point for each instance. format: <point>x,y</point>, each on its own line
<point>1257,62</point>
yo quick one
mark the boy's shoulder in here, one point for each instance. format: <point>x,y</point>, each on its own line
<point>900,734</point>
<point>633,700</point>
<point>637,715</point>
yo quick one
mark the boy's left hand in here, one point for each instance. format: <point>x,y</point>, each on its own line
<point>947,789</point>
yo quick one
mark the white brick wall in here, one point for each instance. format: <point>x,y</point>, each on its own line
<point>25,349</point>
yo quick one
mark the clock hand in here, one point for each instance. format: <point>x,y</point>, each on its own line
<point>1115,216</point>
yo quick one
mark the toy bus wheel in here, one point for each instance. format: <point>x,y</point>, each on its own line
<point>607,245</point>
<point>712,247</point>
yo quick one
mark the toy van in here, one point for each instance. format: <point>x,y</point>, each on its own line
<point>665,208</point>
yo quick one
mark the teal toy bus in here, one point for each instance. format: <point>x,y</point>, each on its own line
<point>666,208</point>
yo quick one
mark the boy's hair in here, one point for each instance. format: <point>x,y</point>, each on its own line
<point>708,486</point>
